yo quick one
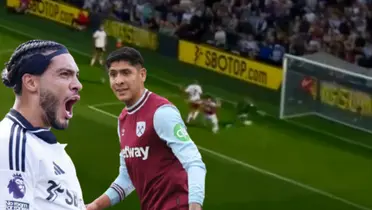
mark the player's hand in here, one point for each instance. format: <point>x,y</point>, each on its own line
<point>92,206</point>
<point>195,206</point>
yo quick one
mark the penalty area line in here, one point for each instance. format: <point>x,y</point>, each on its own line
<point>107,104</point>
<point>264,172</point>
<point>103,112</point>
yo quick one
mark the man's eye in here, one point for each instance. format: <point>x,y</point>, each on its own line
<point>126,72</point>
<point>65,74</point>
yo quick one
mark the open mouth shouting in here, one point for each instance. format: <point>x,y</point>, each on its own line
<point>69,103</point>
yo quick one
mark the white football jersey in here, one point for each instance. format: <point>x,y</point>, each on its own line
<point>194,91</point>
<point>100,38</point>
<point>36,173</point>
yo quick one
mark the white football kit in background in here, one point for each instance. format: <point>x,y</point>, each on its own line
<point>100,39</point>
<point>194,92</point>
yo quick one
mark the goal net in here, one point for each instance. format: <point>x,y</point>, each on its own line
<point>313,88</point>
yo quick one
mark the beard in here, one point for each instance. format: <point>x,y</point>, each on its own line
<point>49,103</point>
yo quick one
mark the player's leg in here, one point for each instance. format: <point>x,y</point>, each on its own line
<point>94,57</point>
<point>191,112</point>
<point>196,112</point>
<point>212,118</point>
<point>104,72</point>
<point>189,116</point>
<point>214,121</point>
<point>100,56</point>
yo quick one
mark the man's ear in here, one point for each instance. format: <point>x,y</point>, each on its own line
<point>30,83</point>
<point>143,74</point>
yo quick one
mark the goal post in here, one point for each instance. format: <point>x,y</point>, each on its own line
<point>312,88</point>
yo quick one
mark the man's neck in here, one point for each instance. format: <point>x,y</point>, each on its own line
<point>135,99</point>
<point>31,113</point>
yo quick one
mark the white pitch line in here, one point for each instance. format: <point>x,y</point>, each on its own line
<point>263,171</point>
<point>107,104</point>
<point>103,112</point>
<point>298,124</point>
<point>366,146</point>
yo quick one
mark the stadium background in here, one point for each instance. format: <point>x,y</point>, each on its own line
<point>301,164</point>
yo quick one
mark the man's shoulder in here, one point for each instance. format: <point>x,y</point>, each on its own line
<point>15,147</point>
<point>147,108</point>
<point>5,128</point>
<point>158,100</point>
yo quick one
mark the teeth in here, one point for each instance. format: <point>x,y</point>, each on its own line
<point>69,114</point>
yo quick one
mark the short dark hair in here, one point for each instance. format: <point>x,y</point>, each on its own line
<point>12,74</point>
<point>128,54</point>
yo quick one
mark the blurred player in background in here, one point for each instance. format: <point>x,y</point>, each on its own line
<point>308,86</point>
<point>246,111</point>
<point>306,91</point>
<point>23,6</point>
<point>35,170</point>
<point>158,159</point>
<point>194,92</point>
<point>119,43</point>
<point>100,42</point>
<point>210,106</point>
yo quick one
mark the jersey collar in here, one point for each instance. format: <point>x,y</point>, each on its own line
<point>132,109</point>
<point>43,133</point>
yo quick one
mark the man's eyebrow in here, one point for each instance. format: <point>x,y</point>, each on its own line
<point>122,69</point>
<point>67,69</point>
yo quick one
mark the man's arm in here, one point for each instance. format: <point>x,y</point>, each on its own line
<point>170,127</point>
<point>95,34</point>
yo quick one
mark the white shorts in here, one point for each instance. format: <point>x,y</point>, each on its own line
<point>99,49</point>
<point>212,118</point>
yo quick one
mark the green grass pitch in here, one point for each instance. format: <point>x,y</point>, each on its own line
<point>270,165</point>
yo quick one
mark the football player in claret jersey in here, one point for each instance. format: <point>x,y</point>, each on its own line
<point>210,106</point>
<point>194,92</point>
<point>35,170</point>
<point>158,158</point>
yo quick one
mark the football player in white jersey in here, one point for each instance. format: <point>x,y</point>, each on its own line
<point>35,170</point>
<point>100,41</point>
<point>194,92</point>
<point>210,106</point>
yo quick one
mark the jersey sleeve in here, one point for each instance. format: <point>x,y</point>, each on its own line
<point>170,127</point>
<point>95,34</point>
<point>122,186</point>
<point>17,177</point>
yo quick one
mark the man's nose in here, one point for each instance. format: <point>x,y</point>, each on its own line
<point>119,80</point>
<point>76,86</point>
